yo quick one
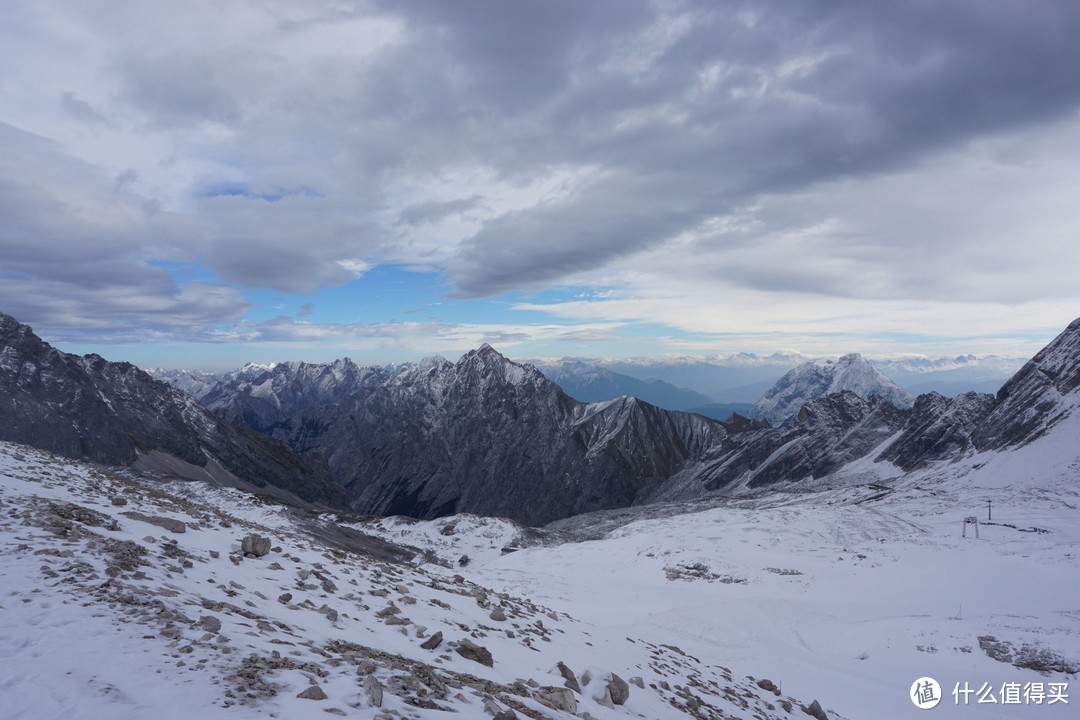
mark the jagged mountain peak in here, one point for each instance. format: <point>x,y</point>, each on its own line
<point>490,362</point>
<point>1041,394</point>
<point>117,414</point>
<point>817,378</point>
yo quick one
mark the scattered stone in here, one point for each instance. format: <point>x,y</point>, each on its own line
<point>374,690</point>
<point>432,642</point>
<point>209,623</point>
<point>118,501</point>
<point>1030,657</point>
<point>477,653</point>
<point>86,516</point>
<point>497,614</point>
<point>557,698</point>
<point>618,690</point>
<point>312,692</point>
<point>769,685</point>
<point>390,609</point>
<point>636,680</point>
<point>569,677</point>
<point>255,545</point>
<point>335,711</point>
<point>285,598</point>
<point>173,526</point>
<point>815,711</point>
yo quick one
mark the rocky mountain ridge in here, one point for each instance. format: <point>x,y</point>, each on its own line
<point>116,414</point>
<point>491,436</point>
<point>818,378</point>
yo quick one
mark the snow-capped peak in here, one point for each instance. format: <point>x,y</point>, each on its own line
<point>817,378</point>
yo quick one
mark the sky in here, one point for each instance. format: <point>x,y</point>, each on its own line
<point>202,184</point>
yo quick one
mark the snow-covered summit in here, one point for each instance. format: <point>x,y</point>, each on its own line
<point>818,378</point>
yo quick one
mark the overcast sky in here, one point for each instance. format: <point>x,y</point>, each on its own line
<point>204,183</point>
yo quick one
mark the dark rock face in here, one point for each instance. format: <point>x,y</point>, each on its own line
<point>87,407</point>
<point>940,428</point>
<point>490,436</point>
<point>481,435</point>
<point>828,433</point>
<point>1034,399</point>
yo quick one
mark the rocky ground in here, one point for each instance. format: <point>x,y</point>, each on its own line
<point>123,596</point>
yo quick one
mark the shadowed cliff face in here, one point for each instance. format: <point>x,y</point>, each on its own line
<point>1037,397</point>
<point>87,407</point>
<point>490,436</point>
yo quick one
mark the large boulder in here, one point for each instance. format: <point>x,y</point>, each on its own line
<point>255,545</point>
<point>477,653</point>
<point>559,698</point>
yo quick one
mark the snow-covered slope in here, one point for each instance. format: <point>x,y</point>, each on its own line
<point>818,378</point>
<point>123,599</point>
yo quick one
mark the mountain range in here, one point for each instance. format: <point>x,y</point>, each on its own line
<point>116,414</point>
<point>491,436</point>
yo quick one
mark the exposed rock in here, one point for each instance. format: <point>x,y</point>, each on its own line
<point>471,651</point>
<point>86,516</point>
<point>558,698</point>
<point>374,690</point>
<point>815,711</point>
<point>510,421</point>
<point>618,689</point>
<point>173,526</point>
<point>1035,399</point>
<point>312,692</point>
<point>569,677</point>
<point>114,413</point>
<point>636,680</point>
<point>768,685</point>
<point>432,642</point>
<point>255,545</point>
<point>1030,657</point>
<point>498,615</point>
<point>209,623</point>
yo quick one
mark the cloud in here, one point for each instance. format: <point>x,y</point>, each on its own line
<point>680,153</point>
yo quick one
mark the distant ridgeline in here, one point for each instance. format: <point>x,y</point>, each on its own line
<point>491,436</point>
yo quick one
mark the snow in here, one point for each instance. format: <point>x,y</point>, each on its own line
<point>845,595</point>
<point>818,378</point>
<point>142,651</point>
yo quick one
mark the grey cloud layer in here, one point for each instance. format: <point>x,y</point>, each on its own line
<point>674,113</point>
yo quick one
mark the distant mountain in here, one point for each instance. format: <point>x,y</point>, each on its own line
<point>743,377</point>
<point>585,381</point>
<point>114,413</point>
<point>818,378</point>
<point>949,376</point>
<point>483,435</point>
<point>490,436</point>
